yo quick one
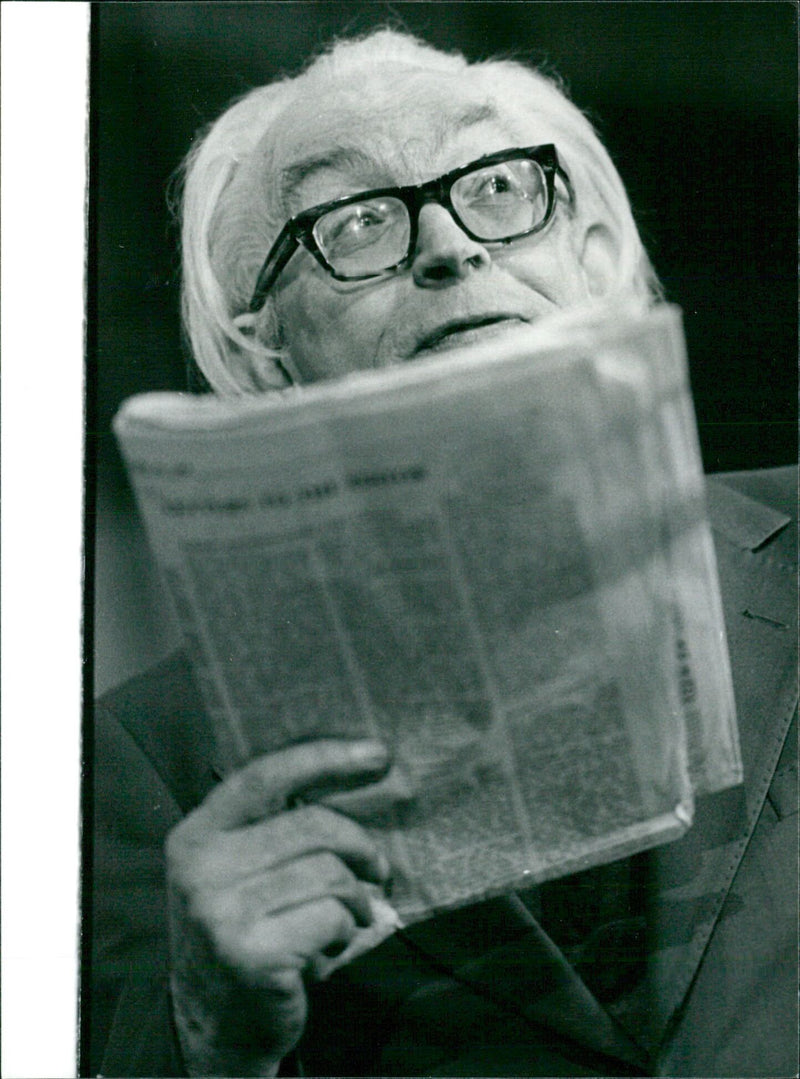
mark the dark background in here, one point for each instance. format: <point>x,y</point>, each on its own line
<point>697,103</point>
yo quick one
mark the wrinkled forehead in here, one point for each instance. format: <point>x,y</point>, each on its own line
<point>398,126</point>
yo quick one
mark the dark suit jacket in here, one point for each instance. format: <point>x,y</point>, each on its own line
<point>681,961</point>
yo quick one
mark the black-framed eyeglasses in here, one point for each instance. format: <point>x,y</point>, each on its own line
<point>498,198</point>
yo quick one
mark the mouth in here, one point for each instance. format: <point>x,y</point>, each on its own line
<point>464,331</point>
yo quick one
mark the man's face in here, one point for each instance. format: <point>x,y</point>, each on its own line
<point>455,290</point>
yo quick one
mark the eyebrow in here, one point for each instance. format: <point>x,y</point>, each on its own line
<point>475,114</point>
<point>355,160</point>
<point>349,158</point>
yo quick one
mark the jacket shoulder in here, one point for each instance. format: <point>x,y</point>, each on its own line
<point>163,713</point>
<point>774,487</point>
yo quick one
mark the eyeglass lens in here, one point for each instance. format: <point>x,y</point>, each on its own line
<point>495,202</point>
<point>364,237</point>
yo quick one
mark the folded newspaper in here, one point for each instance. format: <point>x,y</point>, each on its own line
<point>496,561</point>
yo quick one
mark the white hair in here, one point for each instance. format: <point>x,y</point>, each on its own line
<point>232,208</point>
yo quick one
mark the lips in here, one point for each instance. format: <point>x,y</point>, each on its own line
<point>463,331</point>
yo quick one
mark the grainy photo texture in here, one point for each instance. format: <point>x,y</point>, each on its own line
<point>441,540</point>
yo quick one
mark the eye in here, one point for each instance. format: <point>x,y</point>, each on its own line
<point>360,224</point>
<point>506,183</point>
<point>490,183</point>
<point>360,219</point>
<point>354,225</point>
<point>499,184</point>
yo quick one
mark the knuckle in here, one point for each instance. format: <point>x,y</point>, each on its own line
<point>202,909</point>
<point>252,786</point>
<point>236,948</point>
<point>332,870</point>
<point>315,823</point>
<point>312,818</point>
<point>190,865</point>
<point>335,829</point>
<point>187,836</point>
<point>220,915</point>
<point>301,826</point>
<point>340,923</point>
<point>346,927</point>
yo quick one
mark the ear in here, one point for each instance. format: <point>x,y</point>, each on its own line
<point>261,368</point>
<point>256,372</point>
<point>599,259</point>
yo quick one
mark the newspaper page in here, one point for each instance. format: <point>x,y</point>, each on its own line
<point>495,562</point>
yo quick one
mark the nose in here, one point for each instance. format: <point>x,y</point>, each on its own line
<point>444,252</point>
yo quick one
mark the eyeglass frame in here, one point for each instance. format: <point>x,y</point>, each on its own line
<point>299,230</point>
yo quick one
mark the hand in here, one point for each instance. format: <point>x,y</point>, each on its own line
<point>260,895</point>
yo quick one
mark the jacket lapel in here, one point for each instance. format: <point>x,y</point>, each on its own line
<point>688,881</point>
<point>509,960</point>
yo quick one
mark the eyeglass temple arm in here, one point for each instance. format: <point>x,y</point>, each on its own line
<point>279,255</point>
<point>560,171</point>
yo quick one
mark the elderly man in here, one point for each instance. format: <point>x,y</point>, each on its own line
<point>389,203</point>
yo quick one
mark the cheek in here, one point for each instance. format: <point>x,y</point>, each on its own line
<point>329,331</point>
<point>548,263</point>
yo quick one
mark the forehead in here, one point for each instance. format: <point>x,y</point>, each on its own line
<point>393,129</point>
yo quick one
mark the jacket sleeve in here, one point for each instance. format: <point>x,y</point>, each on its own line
<point>125,1004</point>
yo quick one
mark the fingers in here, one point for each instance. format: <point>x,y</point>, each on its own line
<point>365,803</point>
<point>272,891</point>
<point>226,856</point>
<point>293,940</point>
<point>305,881</point>
<point>273,952</point>
<point>264,786</point>
<point>266,929</point>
